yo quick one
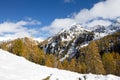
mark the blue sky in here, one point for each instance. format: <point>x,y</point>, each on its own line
<point>43,18</point>
<point>43,10</point>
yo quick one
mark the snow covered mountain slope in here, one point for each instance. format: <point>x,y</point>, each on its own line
<point>13,67</point>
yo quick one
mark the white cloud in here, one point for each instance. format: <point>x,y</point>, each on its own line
<point>99,22</point>
<point>68,1</point>
<point>109,9</point>
<point>17,29</point>
<point>57,25</point>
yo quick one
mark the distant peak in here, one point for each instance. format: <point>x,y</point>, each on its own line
<point>61,31</point>
<point>118,19</point>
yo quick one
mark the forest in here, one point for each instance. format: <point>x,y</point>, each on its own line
<point>101,56</point>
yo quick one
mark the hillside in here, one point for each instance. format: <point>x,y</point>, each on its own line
<point>17,68</point>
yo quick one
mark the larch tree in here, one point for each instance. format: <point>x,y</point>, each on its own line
<point>17,47</point>
<point>109,63</point>
<point>93,59</point>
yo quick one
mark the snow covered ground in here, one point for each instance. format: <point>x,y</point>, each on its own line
<point>13,67</point>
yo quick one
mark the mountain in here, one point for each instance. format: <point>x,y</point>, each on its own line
<point>101,31</point>
<point>115,26</point>
<point>66,43</point>
<point>18,68</point>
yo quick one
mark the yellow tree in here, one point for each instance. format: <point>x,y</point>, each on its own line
<point>72,65</point>
<point>59,65</point>
<point>117,59</point>
<point>65,64</point>
<point>17,47</point>
<point>109,63</point>
<point>49,60</point>
<point>93,59</point>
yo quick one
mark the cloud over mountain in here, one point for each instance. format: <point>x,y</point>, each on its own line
<point>101,13</point>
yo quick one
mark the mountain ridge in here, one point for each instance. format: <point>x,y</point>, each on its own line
<point>67,42</point>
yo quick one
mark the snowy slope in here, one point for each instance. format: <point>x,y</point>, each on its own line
<point>13,67</point>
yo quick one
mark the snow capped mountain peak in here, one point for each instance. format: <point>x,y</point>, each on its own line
<point>74,30</point>
<point>76,26</point>
<point>101,31</point>
<point>115,26</point>
<point>98,28</point>
<point>63,30</point>
<point>118,19</point>
<point>67,41</point>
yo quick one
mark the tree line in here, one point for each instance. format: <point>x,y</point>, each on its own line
<point>99,57</point>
